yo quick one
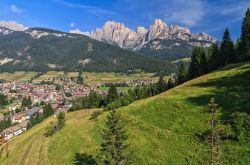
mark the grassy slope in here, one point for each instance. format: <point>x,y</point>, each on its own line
<point>162,128</point>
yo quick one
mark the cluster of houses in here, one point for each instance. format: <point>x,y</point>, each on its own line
<point>62,80</point>
<point>37,93</point>
<point>81,90</point>
<point>134,83</point>
<point>20,120</point>
<point>12,131</point>
<point>43,93</point>
<point>20,116</point>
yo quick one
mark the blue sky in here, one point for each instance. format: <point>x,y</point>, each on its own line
<point>210,16</point>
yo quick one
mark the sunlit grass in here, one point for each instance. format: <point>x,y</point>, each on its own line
<point>162,129</point>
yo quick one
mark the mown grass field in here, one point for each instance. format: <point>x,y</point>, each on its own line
<point>162,129</point>
<point>121,89</point>
<point>96,77</point>
<point>17,76</point>
<point>89,77</point>
<point>33,147</point>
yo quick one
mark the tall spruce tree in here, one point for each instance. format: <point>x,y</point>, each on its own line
<point>203,63</point>
<point>60,120</point>
<point>112,94</point>
<point>214,138</point>
<point>227,51</point>
<point>161,85</point>
<point>213,57</point>
<point>47,110</point>
<point>182,75</point>
<point>80,78</point>
<point>244,47</point>
<point>3,100</point>
<point>237,49</point>
<point>194,67</point>
<point>114,150</point>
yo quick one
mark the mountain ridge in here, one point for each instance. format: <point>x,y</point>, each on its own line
<point>41,49</point>
<point>142,39</point>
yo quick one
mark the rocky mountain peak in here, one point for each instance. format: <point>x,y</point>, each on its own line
<point>113,25</point>
<point>158,23</point>
<point>141,30</point>
<point>117,33</point>
<point>156,29</point>
<point>204,36</point>
<point>112,32</point>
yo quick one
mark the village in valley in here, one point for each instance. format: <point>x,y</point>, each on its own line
<point>23,101</point>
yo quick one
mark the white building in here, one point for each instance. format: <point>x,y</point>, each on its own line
<point>15,130</point>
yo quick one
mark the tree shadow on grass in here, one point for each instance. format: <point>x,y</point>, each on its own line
<point>232,93</point>
<point>84,159</point>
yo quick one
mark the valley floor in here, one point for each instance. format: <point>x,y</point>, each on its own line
<point>91,78</point>
<point>162,130</point>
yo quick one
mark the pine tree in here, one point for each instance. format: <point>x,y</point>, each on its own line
<point>213,57</point>
<point>244,47</point>
<point>214,127</point>
<point>80,78</point>
<point>26,102</point>
<point>203,63</point>
<point>194,67</point>
<point>112,94</point>
<point>29,102</point>
<point>3,100</point>
<point>114,147</point>
<point>161,84</point>
<point>171,83</point>
<point>237,49</point>
<point>227,52</point>
<point>47,110</point>
<point>182,75</point>
<point>60,120</point>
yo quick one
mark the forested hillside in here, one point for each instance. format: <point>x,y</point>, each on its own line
<point>44,49</point>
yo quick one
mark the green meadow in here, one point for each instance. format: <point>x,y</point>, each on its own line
<point>98,77</point>
<point>17,76</point>
<point>162,129</point>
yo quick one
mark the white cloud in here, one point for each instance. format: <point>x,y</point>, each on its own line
<point>234,9</point>
<point>15,9</point>
<point>12,25</point>
<point>72,24</point>
<point>99,12</point>
<point>77,31</point>
<point>185,12</point>
<point>188,12</point>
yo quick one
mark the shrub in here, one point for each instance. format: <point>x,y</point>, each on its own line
<point>95,115</point>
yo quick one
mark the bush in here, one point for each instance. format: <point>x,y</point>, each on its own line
<point>50,130</point>
<point>95,115</point>
<point>60,120</point>
<point>241,125</point>
<point>53,128</point>
<point>113,105</point>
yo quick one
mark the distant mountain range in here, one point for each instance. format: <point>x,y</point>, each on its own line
<point>42,49</point>
<point>160,40</point>
<point>114,47</point>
